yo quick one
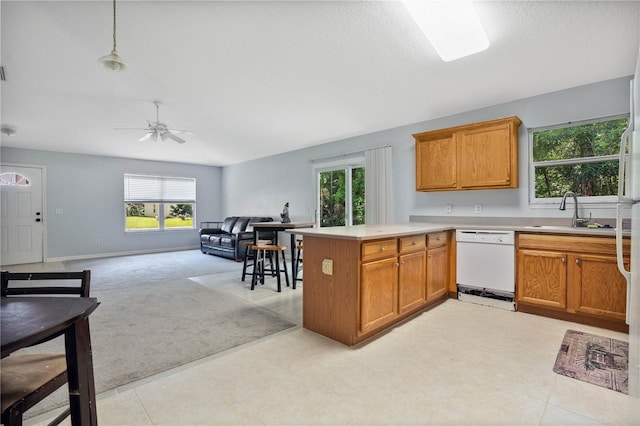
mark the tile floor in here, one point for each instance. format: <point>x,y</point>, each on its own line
<point>456,364</point>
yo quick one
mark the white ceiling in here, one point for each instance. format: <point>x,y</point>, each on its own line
<point>253,79</point>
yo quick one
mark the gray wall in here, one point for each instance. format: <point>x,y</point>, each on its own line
<point>263,186</point>
<point>89,189</point>
<point>90,192</point>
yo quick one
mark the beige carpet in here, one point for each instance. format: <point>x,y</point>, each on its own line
<point>145,326</point>
<point>602,361</point>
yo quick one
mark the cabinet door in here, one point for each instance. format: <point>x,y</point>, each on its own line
<point>542,278</point>
<point>485,157</point>
<point>378,293</point>
<point>437,272</point>
<point>597,287</point>
<point>436,163</point>
<point>411,279</point>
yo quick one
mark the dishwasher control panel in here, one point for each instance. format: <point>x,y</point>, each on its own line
<point>486,237</point>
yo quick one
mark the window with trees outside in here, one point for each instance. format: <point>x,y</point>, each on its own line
<point>155,203</point>
<point>341,194</point>
<point>579,157</point>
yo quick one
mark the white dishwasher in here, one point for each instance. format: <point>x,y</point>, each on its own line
<point>485,267</point>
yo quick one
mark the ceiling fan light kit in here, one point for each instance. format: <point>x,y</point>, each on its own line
<point>113,61</point>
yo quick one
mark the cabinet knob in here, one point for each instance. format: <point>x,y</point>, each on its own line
<point>578,261</point>
<point>564,260</point>
<point>414,242</point>
<point>381,248</point>
<point>396,264</point>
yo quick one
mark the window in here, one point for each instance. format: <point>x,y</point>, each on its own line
<point>579,157</point>
<point>153,203</point>
<point>341,193</point>
<point>13,179</point>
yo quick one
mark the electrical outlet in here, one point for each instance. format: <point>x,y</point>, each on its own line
<point>327,266</point>
<point>97,241</point>
<point>478,208</point>
<point>448,208</point>
<point>58,211</point>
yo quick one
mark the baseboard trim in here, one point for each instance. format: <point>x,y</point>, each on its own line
<point>119,253</point>
<point>567,316</point>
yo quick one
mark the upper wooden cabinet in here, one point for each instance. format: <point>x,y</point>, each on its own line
<point>475,156</point>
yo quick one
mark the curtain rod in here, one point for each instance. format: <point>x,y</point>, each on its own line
<point>344,154</point>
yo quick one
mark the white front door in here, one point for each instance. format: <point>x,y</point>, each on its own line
<point>21,215</point>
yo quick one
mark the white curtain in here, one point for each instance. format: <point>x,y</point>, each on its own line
<point>378,192</point>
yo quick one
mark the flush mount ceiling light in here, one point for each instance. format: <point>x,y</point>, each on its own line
<point>452,27</point>
<point>7,130</point>
<point>113,61</point>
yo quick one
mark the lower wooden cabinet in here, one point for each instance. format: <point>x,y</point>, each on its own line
<point>437,266</point>
<point>372,284</point>
<point>411,274</point>
<point>598,289</point>
<point>378,294</point>
<point>392,286</point>
<point>542,278</point>
<point>575,277</point>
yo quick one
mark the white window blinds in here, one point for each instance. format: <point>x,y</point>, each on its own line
<point>145,188</point>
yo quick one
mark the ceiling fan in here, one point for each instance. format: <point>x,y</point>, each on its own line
<point>157,128</point>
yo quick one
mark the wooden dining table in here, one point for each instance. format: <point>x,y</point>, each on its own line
<point>276,227</point>
<point>27,321</point>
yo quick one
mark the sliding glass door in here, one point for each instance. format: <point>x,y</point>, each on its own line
<point>340,194</point>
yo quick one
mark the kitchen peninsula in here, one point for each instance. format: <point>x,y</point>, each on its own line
<point>360,280</point>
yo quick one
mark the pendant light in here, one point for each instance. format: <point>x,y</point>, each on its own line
<point>8,130</point>
<point>113,61</point>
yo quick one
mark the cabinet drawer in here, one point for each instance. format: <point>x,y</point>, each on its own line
<point>379,249</point>
<point>438,239</point>
<point>572,243</point>
<point>412,243</point>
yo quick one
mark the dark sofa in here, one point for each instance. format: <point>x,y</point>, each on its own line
<point>226,238</point>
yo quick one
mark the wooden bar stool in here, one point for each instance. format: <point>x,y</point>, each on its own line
<point>260,256</point>
<point>298,261</point>
<point>249,255</point>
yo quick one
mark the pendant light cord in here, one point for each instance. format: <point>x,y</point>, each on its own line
<point>114,25</point>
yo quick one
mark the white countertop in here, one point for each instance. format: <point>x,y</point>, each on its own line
<point>369,232</point>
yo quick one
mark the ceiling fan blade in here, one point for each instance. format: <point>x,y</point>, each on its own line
<point>173,137</point>
<point>181,132</point>
<point>149,136</point>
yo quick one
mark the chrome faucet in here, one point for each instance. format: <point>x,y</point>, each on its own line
<point>576,221</point>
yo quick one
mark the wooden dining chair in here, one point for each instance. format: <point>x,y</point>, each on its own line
<point>29,378</point>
